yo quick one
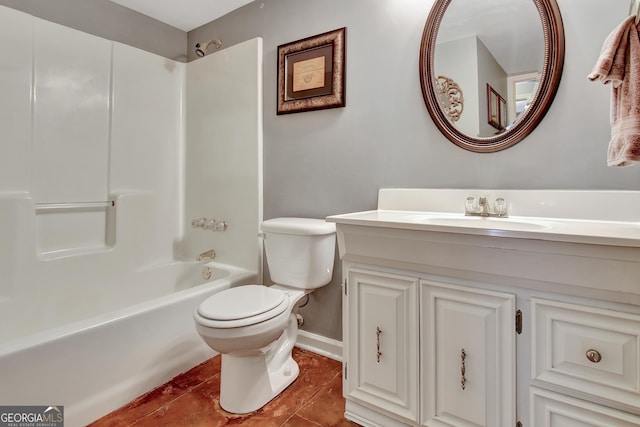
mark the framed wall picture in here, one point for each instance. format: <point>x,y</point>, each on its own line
<point>493,107</point>
<point>502,112</point>
<point>311,73</point>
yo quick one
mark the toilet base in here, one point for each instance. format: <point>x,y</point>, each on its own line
<point>247,383</point>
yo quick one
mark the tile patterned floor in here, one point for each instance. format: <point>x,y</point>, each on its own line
<point>192,399</point>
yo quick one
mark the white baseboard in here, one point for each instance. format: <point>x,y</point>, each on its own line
<point>321,345</point>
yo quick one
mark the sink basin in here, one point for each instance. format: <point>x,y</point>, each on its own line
<point>480,222</point>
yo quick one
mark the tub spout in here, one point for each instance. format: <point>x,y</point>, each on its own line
<point>206,256</point>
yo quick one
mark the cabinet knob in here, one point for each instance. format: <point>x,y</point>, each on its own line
<point>593,355</point>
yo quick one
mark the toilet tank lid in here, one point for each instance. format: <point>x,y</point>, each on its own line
<point>298,226</point>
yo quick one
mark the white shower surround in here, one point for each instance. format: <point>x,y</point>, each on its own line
<point>85,119</point>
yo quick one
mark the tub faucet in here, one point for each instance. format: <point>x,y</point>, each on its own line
<point>207,256</point>
<point>210,224</point>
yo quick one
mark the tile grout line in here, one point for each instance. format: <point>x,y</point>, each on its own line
<point>169,402</point>
<point>300,416</point>
<point>188,391</point>
<point>311,400</point>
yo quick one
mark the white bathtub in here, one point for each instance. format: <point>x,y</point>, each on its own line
<point>102,352</point>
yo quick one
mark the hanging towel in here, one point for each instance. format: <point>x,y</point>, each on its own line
<point>619,65</point>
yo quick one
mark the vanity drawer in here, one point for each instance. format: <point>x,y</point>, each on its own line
<point>555,410</point>
<point>589,350</point>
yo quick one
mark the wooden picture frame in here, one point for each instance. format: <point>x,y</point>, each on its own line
<point>311,73</point>
<point>493,107</point>
<point>502,112</point>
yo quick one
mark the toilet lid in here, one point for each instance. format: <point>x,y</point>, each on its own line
<point>243,302</point>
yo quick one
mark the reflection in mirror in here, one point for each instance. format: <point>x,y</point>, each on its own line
<point>451,98</point>
<point>521,90</point>
<point>505,55</point>
<point>494,102</point>
<point>504,38</point>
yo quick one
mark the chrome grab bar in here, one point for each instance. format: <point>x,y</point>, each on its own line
<point>74,205</point>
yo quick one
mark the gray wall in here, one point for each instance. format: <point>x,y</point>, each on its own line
<point>333,161</point>
<point>110,21</point>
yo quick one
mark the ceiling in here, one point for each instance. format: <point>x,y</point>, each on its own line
<point>183,14</point>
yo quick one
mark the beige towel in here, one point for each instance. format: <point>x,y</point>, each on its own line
<point>619,64</point>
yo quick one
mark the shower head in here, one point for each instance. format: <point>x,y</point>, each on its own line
<point>202,48</point>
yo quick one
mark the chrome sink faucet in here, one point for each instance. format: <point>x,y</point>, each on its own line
<point>483,208</point>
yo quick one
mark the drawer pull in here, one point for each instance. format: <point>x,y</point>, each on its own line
<point>593,355</point>
<point>378,333</point>
<point>463,381</point>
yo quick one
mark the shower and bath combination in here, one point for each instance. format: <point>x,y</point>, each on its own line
<point>202,48</point>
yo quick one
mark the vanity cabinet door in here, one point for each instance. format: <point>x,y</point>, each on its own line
<point>467,356</point>
<point>382,341</point>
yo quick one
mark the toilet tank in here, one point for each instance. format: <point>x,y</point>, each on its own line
<point>300,251</point>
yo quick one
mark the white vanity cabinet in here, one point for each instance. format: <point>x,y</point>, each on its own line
<point>441,299</point>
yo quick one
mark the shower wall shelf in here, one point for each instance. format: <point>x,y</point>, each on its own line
<point>67,229</point>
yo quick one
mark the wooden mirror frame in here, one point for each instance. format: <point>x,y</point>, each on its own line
<point>549,81</point>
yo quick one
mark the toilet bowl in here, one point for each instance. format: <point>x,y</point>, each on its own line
<point>255,327</point>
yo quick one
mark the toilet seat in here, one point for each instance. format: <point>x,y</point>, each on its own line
<point>243,306</point>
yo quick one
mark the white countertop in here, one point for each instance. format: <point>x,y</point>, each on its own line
<point>615,233</point>
<point>560,228</point>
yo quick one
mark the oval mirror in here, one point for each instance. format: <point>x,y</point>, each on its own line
<point>489,69</point>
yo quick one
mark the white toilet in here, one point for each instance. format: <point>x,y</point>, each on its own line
<point>254,327</point>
